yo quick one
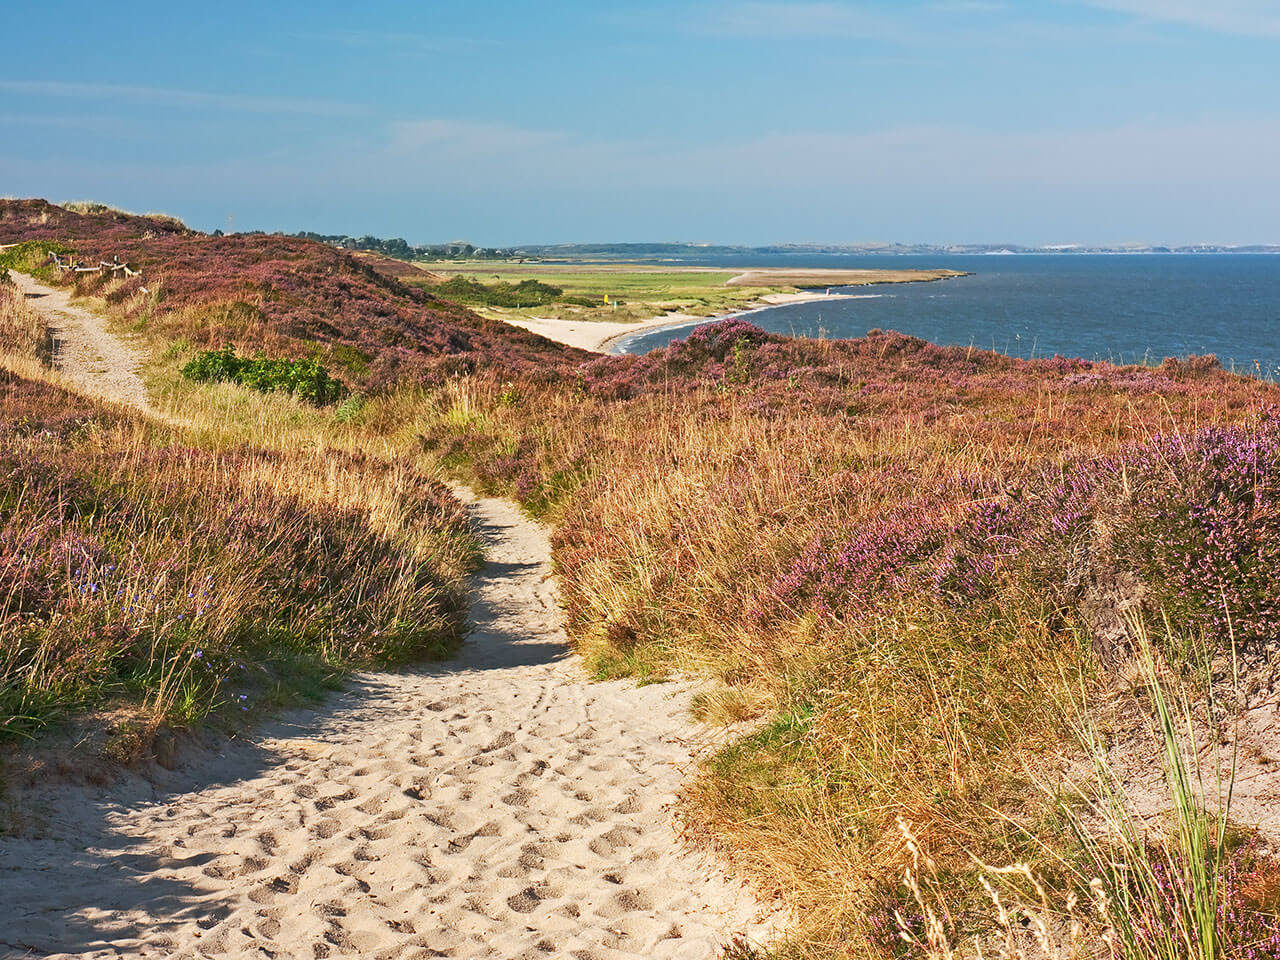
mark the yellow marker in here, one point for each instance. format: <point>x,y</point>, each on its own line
<point>606,298</point>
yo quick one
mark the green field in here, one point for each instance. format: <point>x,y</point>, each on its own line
<point>635,291</point>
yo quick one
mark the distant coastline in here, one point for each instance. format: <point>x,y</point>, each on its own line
<point>680,253</point>
<point>602,336</point>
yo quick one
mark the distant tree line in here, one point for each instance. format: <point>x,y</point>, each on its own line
<point>400,249</point>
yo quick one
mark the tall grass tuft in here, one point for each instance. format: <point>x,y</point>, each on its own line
<point>1163,891</point>
<point>176,580</point>
<point>23,331</point>
<point>1182,886</point>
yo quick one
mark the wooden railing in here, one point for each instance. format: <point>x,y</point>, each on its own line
<point>72,265</point>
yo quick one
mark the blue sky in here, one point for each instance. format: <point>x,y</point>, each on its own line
<point>1042,121</point>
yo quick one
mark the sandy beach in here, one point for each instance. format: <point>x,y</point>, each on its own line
<point>602,336</point>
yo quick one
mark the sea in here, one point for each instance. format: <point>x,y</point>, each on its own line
<point>1124,308</point>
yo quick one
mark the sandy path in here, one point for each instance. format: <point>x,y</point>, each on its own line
<point>497,805</point>
<point>93,359</point>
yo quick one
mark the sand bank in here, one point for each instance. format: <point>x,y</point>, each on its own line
<point>602,336</point>
<point>820,277</point>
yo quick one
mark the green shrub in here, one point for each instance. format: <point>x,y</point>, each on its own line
<point>306,378</point>
<point>526,293</point>
<point>31,256</point>
<point>350,408</point>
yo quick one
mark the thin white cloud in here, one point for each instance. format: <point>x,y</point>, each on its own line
<point>1206,177</point>
<point>399,44</point>
<point>980,7</point>
<point>234,103</point>
<point>467,139</point>
<point>949,24</point>
<point>1255,18</point>
<point>70,123</point>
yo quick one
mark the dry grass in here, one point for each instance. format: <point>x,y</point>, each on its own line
<point>23,332</point>
<point>173,580</point>
<point>897,560</point>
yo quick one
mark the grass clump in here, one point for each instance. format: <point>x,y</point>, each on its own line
<point>1182,886</point>
<point>23,331</point>
<point>32,256</point>
<point>307,378</point>
<point>136,569</point>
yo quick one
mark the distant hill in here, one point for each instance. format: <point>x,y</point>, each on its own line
<point>684,251</point>
<point>680,251</point>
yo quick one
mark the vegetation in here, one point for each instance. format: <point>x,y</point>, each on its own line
<point>30,256</point>
<point>173,580</point>
<point>913,568</point>
<point>22,332</point>
<point>526,293</point>
<point>633,292</point>
<point>401,250</point>
<point>306,378</point>
<point>902,559</point>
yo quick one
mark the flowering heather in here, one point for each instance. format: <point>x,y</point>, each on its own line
<point>894,545</point>
<point>1194,519</point>
<point>133,565</point>
<point>283,295</point>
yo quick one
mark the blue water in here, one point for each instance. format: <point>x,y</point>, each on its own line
<point>1122,308</point>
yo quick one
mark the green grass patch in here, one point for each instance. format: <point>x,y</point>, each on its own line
<point>633,292</point>
<point>31,257</point>
<point>306,378</point>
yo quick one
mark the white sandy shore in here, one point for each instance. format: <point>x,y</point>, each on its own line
<point>602,336</point>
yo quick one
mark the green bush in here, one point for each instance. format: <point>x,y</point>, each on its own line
<point>306,378</point>
<point>526,293</point>
<point>31,256</point>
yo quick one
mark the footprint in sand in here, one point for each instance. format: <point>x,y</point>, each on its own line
<point>495,806</point>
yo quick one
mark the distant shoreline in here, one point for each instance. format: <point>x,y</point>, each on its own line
<point>613,343</point>
<point>605,337</point>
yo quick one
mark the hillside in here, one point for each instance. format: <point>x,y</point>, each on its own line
<point>282,295</point>
<point>924,588</point>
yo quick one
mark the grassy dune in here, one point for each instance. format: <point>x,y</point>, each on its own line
<point>925,578</point>
<point>903,562</point>
<point>167,580</point>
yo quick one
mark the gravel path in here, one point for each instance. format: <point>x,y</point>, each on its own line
<point>94,360</point>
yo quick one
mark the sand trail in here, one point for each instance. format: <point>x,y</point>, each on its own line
<point>496,805</point>
<point>91,358</point>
